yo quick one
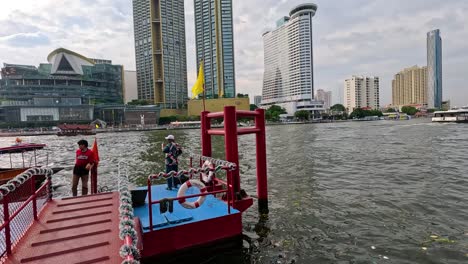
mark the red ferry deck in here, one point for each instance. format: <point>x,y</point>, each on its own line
<point>78,230</point>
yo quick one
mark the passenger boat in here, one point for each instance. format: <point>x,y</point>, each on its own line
<point>146,223</point>
<point>455,115</point>
<point>7,173</point>
<point>75,130</point>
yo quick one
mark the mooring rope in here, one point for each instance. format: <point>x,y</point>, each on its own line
<point>129,253</point>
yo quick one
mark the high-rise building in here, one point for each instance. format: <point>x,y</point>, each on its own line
<point>215,46</point>
<point>257,100</point>
<point>288,78</point>
<point>161,64</point>
<point>130,84</point>
<point>434,69</point>
<point>410,86</point>
<point>361,92</point>
<point>325,97</point>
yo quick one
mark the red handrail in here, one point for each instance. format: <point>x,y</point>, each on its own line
<point>7,218</point>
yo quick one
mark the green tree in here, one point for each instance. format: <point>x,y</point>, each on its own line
<point>139,102</point>
<point>273,113</point>
<point>253,107</point>
<point>390,110</point>
<point>409,110</point>
<point>302,115</point>
<point>338,108</point>
<point>358,113</point>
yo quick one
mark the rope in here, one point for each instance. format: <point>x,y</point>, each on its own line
<point>220,165</point>
<point>126,226</point>
<point>18,180</point>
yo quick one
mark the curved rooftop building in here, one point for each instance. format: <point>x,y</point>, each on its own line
<point>288,78</point>
<point>67,76</point>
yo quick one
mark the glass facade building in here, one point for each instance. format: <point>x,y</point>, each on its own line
<point>434,69</point>
<point>160,52</point>
<point>215,46</point>
<point>68,78</point>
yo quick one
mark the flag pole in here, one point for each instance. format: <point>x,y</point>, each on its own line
<point>204,108</point>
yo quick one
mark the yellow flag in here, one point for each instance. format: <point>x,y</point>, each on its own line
<point>198,86</point>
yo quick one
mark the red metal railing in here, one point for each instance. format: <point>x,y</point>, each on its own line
<point>20,203</point>
<point>231,133</point>
<point>191,172</point>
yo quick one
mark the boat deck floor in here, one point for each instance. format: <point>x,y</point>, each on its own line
<point>74,230</point>
<point>211,208</point>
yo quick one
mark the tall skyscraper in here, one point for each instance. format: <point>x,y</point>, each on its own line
<point>434,69</point>
<point>410,86</point>
<point>325,97</point>
<point>258,100</point>
<point>288,78</point>
<point>215,46</point>
<point>160,52</point>
<point>361,92</point>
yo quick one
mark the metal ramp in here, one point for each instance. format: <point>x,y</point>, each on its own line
<point>75,230</point>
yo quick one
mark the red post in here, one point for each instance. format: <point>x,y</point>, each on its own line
<point>6,220</point>
<point>205,137</point>
<point>150,204</point>
<point>94,174</point>
<point>230,142</point>
<point>262,184</point>
<point>33,193</point>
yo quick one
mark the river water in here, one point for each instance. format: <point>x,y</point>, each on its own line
<point>351,192</point>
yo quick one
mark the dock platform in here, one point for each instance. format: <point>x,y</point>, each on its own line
<point>75,230</point>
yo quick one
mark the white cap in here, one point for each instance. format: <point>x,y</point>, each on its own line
<point>170,137</point>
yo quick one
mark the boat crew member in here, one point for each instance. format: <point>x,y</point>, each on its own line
<point>173,151</point>
<point>84,162</point>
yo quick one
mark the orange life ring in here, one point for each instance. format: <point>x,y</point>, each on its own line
<point>184,188</point>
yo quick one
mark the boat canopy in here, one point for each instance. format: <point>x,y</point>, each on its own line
<point>20,148</point>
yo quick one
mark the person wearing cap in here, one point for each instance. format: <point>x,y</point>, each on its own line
<point>173,151</point>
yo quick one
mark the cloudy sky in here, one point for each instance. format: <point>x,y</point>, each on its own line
<point>360,37</point>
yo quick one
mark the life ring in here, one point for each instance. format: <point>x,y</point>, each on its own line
<point>184,188</point>
<point>207,177</point>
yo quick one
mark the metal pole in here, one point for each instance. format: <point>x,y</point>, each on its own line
<point>33,193</point>
<point>230,142</point>
<point>150,205</point>
<point>262,185</point>
<point>205,137</point>
<point>6,220</point>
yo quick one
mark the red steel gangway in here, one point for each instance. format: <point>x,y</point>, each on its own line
<point>37,229</point>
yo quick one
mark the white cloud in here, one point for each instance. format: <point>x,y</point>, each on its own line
<point>373,37</point>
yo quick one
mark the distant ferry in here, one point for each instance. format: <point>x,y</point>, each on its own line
<point>456,115</point>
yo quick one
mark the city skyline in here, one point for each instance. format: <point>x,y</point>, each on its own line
<point>368,41</point>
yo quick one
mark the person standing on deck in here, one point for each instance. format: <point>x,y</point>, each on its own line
<point>84,162</point>
<point>173,151</point>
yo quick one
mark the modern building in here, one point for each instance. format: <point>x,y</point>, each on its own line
<point>215,46</point>
<point>258,100</point>
<point>361,92</point>
<point>434,69</point>
<point>64,89</point>
<point>160,52</point>
<point>409,86</point>
<point>288,79</point>
<point>325,97</point>
<point>130,86</point>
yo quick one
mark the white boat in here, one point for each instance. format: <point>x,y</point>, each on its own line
<point>456,115</point>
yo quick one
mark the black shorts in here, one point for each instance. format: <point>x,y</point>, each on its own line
<point>80,171</point>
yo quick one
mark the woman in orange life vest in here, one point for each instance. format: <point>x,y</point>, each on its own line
<point>173,151</point>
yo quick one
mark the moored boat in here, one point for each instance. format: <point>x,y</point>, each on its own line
<point>456,115</point>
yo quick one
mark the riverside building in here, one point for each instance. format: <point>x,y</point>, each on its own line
<point>160,52</point>
<point>215,46</point>
<point>434,69</point>
<point>361,92</point>
<point>409,86</point>
<point>325,97</point>
<point>64,89</point>
<point>288,79</point>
